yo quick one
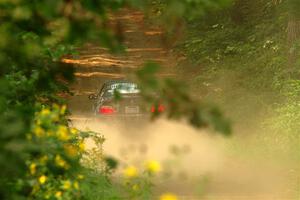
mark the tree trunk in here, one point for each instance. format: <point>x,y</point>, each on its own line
<point>293,36</point>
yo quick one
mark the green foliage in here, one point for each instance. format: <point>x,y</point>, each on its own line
<point>97,186</point>
<point>243,65</point>
<point>294,7</point>
<point>34,36</point>
<point>284,124</point>
<point>240,65</point>
<point>188,8</point>
<point>248,12</point>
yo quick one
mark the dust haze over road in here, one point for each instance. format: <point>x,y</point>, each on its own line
<point>203,155</point>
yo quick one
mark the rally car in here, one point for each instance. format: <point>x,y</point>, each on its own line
<point>129,105</point>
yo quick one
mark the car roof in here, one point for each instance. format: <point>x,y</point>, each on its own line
<point>117,81</point>
<point>111,82</point>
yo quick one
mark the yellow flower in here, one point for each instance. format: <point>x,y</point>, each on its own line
<point>153,166</point>
<point>47,196</point>
<point>43,159</point>
<point>38,131</point>
<point>70,150</point>
<point>59,161</point>
<point>67,185</point>
<point>63,109</point>
<point>81,146</point>
<point>50,133</point>
<point>32,168</point>
<point>76,185</point>
<point>42,179</point>
<point>80,176</point>
<point>63,133</point>
<point>45,112</point>
<point>74,131</point>
<point>168,196</point>
<point>38,122</point>
<point>58,194</point>
<point>35,189</point>
<point>130,172</point>
<point>55,106</point>
<point>55,117</point>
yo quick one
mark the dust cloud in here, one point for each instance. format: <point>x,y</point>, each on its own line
<point>194,156</point>
<point>158,141</point>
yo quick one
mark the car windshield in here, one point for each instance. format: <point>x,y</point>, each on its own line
<point>122,88</point>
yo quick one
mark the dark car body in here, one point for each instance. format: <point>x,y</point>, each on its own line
<point>128,106</point>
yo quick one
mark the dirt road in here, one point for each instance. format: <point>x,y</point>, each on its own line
<point>205,164</point>
<point>96,65</point>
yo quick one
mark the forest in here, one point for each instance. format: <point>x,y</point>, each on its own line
<point>222,77</point>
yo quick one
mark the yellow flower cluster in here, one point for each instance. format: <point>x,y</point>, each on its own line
<point>76,185</point>
<point>81,145</point>
<point>32,168</point>
<point>131,172</point>
<point>54,114</point>
<point>71,150</point>
<point>67,185</point>
<point>63,133</point>
<point>58,194</point>
<point>60,162</point>
<point>48,129</point>
<point>135,186</point>
<point>42,179</point>
<point>43,160</point>
<point>151,167</point>
<point>74,131</point>
<point>80,176</point>
<point>45,112</point>
<point>63,109</point>
<point>168,196</point>
<point>39,132</point>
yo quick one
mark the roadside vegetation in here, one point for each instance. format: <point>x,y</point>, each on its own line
<point>246,59</point>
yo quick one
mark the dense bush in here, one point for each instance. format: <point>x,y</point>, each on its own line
<point>34,36</point>
<point>54,164</point>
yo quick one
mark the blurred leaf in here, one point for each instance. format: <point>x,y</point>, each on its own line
<point>175,96</point>
<point>111,163</point>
